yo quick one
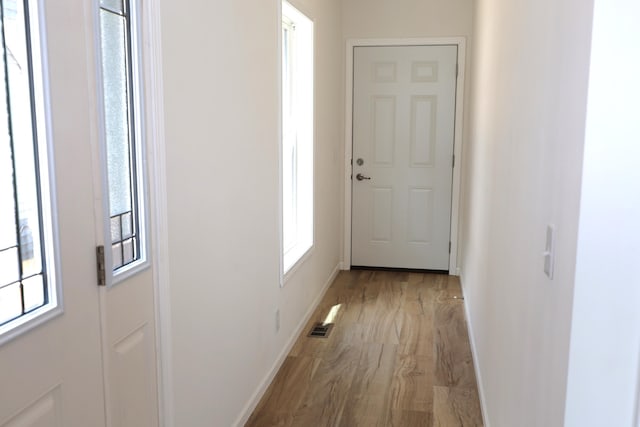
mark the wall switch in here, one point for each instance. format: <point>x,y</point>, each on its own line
<point>277,320</point>
<point>550,251</point>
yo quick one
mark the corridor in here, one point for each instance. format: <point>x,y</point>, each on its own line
<point>397,355</point>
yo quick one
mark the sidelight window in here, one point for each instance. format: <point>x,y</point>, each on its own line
<point>121,94</point>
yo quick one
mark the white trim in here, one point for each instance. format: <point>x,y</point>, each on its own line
<point>460,42</point>
<point>474,355</point>
<point>156,157</point>
<point>280,136</point>
<point>100,189</point>
<point>457,151</point>
<point>264,384</point>
<point>101,183</point>
<point>636,422</point>
<point>296,265</point>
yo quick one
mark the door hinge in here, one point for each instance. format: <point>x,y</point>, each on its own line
<point>449,247</point>
<point>453,161</point>
<point>102,275</point>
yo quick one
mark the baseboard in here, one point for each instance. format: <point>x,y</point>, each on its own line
<point>262,388</point>
<point>474,353</point>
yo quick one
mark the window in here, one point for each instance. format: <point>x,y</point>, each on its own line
<point>297,135</point>
<point>27,287</point>
<point>122,132</point>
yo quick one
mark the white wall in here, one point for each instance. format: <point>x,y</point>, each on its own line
<point>406,18</point>
<point>221,114</point>
<point>523,167</point>
<point>605,334</point>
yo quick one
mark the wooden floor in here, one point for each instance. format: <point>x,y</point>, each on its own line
<point>398,355</point>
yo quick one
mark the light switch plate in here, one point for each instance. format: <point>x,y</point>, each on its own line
<point>550,251</point>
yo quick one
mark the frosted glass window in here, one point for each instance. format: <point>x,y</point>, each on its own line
<point>24,285</point>
<point>116,117</point>
<point>119,126</point>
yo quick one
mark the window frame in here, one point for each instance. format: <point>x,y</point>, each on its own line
<point>137,123</point>
<point>302,82</point>
<point>36,43</point>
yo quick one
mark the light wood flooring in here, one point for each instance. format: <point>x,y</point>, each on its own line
<point>398,355</point>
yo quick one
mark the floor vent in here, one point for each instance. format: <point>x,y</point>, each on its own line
<point>320,330</point>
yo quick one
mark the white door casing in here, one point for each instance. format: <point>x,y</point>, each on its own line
<point>51,375</point>
<point>403,138</point>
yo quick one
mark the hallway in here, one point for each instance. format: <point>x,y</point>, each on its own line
<point>398,355</point>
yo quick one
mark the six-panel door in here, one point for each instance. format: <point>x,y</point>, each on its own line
<point>403,134</point>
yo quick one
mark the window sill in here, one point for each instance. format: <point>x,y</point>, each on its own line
<point>289,270</point>
<point>20,326</point>
<point>129,271</point>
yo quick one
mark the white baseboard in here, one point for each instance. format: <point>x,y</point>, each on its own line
<point>476,364</point>
<point>262,388</point>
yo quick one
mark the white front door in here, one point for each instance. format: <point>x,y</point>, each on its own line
<point>403,133</point>
<point>94,363</point>
<point>51,375</point>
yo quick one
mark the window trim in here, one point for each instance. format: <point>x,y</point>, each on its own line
<point>43,130</point>
<point>138,131</point>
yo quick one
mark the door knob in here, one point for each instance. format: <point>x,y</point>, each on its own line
<point>360,177</point>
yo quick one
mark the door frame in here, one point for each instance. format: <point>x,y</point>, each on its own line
<point>460,42</point>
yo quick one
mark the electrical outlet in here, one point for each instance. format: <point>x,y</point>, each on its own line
<point>278,320</point>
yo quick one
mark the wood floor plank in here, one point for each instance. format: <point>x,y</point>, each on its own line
<point>325,401</point>
<point>417,299</point>
<point>398,356</point>
<point>416,335</point>
<point>454,362</point>
<point>401,418</point>
<point>456,407</point>
<point>412,383</point>
<point>368,401</point>
<point>285,393</point>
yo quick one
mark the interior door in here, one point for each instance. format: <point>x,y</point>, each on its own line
<point>403,133</point>
<point>51,374</point>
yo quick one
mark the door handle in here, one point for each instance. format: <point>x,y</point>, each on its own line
<point>360,177</point>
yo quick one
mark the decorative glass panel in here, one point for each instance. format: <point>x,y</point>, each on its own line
<point>116,116</point>
<point>119,124</point>
<point>10,303</point>
<point>9,266</point>
<point>23,284</point>
<point>33,293</point>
